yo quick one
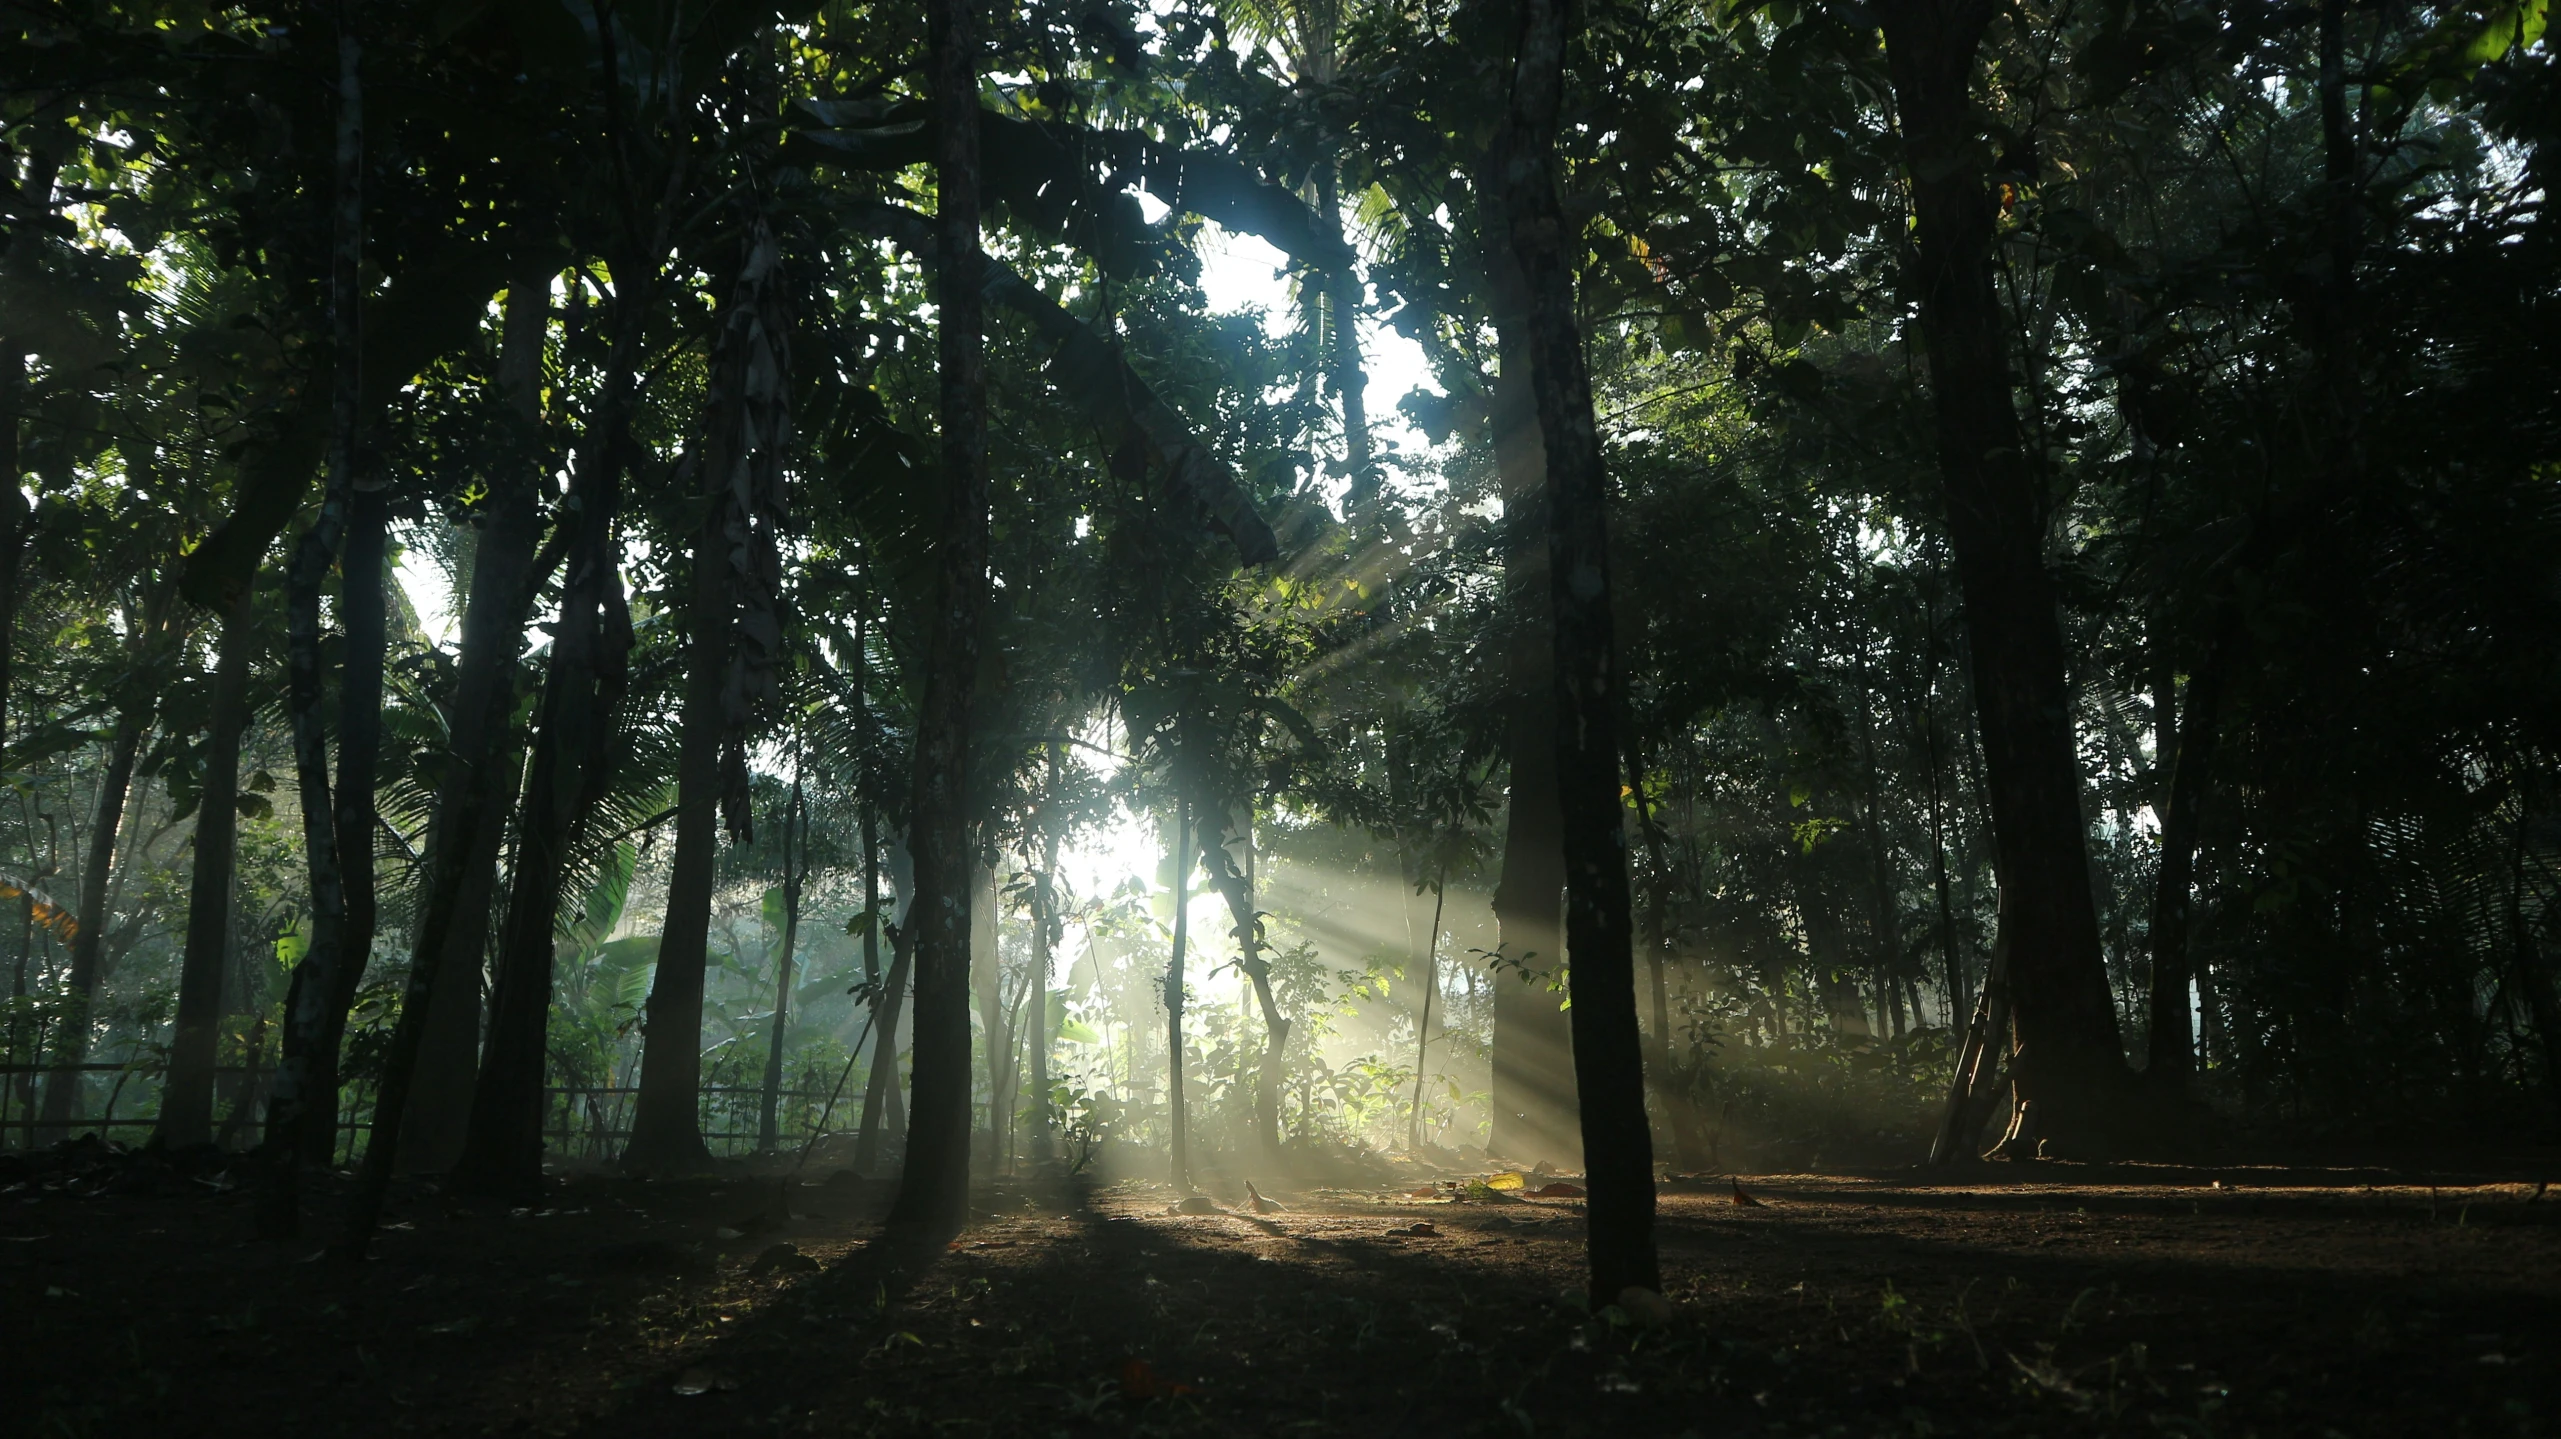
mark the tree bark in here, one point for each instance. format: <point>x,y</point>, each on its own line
<point>582,689</point>
<point>1238,890</point>
<point>478,788</point>
<point>80,988</point>
<point>304,1078</point>
<point>2171,1037</point>
<point>880,1088</point>
<point>186,1098</point>
<point>1044,940</point>
<point>933,1193</point>
<point>794,818</point>
<point>2068,1055</point>
<point>666,1126</point>
<point>1609,1074</point>
<point>363,573</point>
<point>1532,1096</point>
<point>1177,1120</point>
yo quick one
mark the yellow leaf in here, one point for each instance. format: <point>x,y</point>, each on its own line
<point>1509,1179</point>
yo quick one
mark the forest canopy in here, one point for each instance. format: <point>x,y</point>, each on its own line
<point>636,583</point>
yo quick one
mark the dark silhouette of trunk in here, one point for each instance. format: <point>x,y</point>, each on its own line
<point>71,1032</point>
<point>2171,1037</point>
<point>1423,1019</point>
<point>1532,1095</point>
<point>573,751</point>
<point>1673,1077</point>
<point>304,1095</point>
<point>1175,1117</point>
<point>361,609</point>
<point>986,982</point>
<point>1609,1072</point>
<point>186,1098</point>
<point>14,512</point>
<point>880,1091</point>
<point>1343,357</point>
<point>1044,942</point>
<point>1238,890</point>
<point>933,1191</point>
<point>796,818</point>
<point>2068,1056</point>
<point>1972,1089</point>
<point>666,1127</point>
<point>461,864</point>
<point>478,787</point>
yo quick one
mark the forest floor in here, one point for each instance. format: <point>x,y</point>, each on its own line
<point>2041,1299</point>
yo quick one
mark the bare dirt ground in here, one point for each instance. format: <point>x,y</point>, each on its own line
<point>2048,1299</point>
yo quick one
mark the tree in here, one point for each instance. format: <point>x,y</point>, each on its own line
<point>1609,1072</point>
<point>933,1191</point>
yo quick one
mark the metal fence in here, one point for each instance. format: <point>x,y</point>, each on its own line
<point>582,1122</point>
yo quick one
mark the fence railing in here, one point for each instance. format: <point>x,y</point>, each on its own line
<point>580,1121</point>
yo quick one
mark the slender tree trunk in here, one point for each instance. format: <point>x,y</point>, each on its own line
<point>986,981</point>
<point>478,788</point>
<point>80,988</point>
<point>1343,357</point>
<point>1044,941</point>
<point>2171,1063</point>
<point>303,1096</point>
<point>933,1192</point>
<point>2069,1058</point>
<point>1238,889</point>
<point>1181,1148</point>
<point>1532,1095</point>
<point>361,608</point>
<point>1609,1073</point>
<point>15,514</point>
<point>582,689</point>
<point>666,1126</point>
<point>186,1098</point>
<point>1423,1020</point>
<point>880,1089</point>
<point>1672,1077</point>
<point>796,817</point>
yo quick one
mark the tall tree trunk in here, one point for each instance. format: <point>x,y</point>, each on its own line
<point>767,1118</point>
<point>1177,1120</point>
<point>1238,889</point>
<point>478,788</point>
<point>2171,1063</point>
<point>880,1089</point>
<point>1609,1073</point>
<point>666,1126</point>
<point>1343,354</point>
<point>1672,1077</point>
<point>933,1192</point>
<point>582,690</point>
<point>1044,941</point>
<point>363,573</point>
<point>2069,1058</point>
<point>1532,1095</point>
<point>304,1097</point>
<point>80,989</point>
<point>186,1098</point>
<point>986,982</point>
<point>14,512</point>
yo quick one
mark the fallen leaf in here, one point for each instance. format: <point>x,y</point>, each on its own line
<point>725,1232</point>
<point>1558,1190</point>
<point>1508,1179</point>
<point>1195,1204</point>
<point>1745,1200</point>
<point>1422,1227</point>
